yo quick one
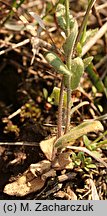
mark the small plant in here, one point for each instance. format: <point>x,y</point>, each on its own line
<point>59,149</point>
<point>73,67</point>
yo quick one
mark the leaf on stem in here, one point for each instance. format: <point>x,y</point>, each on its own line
<point>55,97</point>
<point>60,15</point>
<point>57,63</point>
<point>87,61</point>
<point>78,132</point>
<point>70,41</point>
<point>77,69</point>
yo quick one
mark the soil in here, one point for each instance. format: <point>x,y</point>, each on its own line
<point>15,93</point>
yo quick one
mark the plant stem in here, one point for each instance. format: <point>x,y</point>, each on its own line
<point>67,18</point>
<point>68,62</point>
<point>84,23</point>
<point>60,109</point>
<point>68,105</point>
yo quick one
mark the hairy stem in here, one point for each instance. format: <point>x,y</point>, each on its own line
<point>68,105</point>
<point>67,18</point>
<point>60,107</point>
<point>68,62</point>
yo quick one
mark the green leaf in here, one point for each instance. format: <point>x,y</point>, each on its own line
<point>94,77</point>
<point>89,34</point>
<point>70,41</point>
<point>77,132</point>
<point>81,156</point>
<point>97,154</point>
<point>77,162</point>
<point>45,93</point>
<point>57,64</point>
<point>55,97</point>
<point>77,69</point>
<point>88,160</point>
<point>91,166</point>
<point>79,49</point>
<point>60,15</point>
<point>86,141</point>
<point>75,108</point>
<point>87,61</point>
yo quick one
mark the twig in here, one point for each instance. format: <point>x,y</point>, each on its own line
<point>17,112</point>
<point>102,6</point>
<point>26,41</point>
<point>67,176</point>
<point>20,143</point>
<point>100,24</point>
<point>98,8</point>
<point>41,43</point>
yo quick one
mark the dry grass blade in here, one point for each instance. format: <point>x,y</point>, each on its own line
<point>93,189</point>
<point>14,46</point>
<point>93,40</point>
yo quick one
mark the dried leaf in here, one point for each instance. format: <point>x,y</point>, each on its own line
<point>38,19</point>
<point>24,185</point>
<point>39,168</point>
<point>47,146</point>
<point>63,161</point>
<point>29,182</point>
<point>14,27</point>
<point>71,193</point>
<point>62,194</point>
